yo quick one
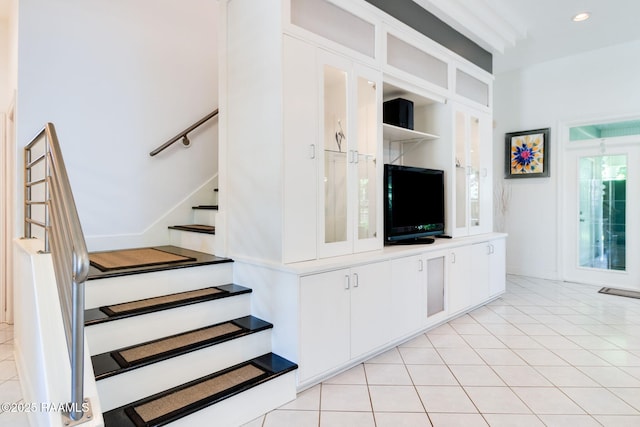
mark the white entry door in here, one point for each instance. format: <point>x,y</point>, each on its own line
<point>602,211</point>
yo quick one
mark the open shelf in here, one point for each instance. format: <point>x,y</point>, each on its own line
<point>396,133</point>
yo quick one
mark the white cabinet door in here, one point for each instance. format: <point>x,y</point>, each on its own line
<point>408,295</point>
<point>480,272</point>
<point>497,268</point>
<point>300,134</point>
<point>325,332</point>
<point>343,314</point>
<point>460,279</point>
<point>473,192</point>
<point>370,314</point>
<point>350,170</point>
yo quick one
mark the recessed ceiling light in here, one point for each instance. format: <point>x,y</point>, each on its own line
<point>582,16</point>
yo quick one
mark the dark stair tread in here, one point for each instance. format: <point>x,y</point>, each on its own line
<point>270,364</point>
<point>196,228</point>
<point>201,259</point>
<point>113,362</point>
<point>103,314</point>
<point>206,207</point>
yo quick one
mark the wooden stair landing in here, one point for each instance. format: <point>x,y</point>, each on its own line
<point>196,259</point>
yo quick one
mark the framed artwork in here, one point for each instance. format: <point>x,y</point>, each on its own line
<point>527,154</point>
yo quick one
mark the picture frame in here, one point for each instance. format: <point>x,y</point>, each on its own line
<point>527,154</point>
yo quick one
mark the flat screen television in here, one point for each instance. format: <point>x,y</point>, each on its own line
<point>414,204</point>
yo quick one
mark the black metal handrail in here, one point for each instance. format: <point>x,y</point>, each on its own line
<point>183,135</point>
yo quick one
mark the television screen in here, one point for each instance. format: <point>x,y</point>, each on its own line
<point>414,202</point>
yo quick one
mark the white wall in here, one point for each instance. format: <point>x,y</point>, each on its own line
<point>599,84</point>
<point>5,72</point>
<point>118,78</point>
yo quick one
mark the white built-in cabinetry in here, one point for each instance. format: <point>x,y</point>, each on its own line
<point>302,153</point>
<point>332,172</point>
<point>476,274</point>
<point>349,314</point>
<point>343,316</point>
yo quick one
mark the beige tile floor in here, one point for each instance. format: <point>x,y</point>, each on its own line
<point>9,385</point>
<point>544,354</point>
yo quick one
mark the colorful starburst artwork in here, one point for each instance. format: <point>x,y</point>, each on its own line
<point>527,154</point>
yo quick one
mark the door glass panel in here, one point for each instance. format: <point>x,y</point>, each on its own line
<point>367,149</point>
<point>474,177</point>
<point>335,155</point>
<point>461,171</point>
<point>602,212</point>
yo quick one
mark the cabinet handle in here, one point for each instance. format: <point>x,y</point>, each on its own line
<point>453,257</point>
<point>356,156</point>
<point>491,248</point>
<point>356,280</point>
<point>346,281</point>
<point>312,151</point>
<point>420,265</point>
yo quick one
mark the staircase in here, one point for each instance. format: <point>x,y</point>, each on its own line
<point>176,344</point>
<point>200,234</point>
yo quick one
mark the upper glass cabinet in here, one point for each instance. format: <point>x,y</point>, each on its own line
<point>473,196</point>
<point>351,172</point>
<point>336,129</point>
<point>366,158</point>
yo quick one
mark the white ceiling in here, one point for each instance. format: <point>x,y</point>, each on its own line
<point>520,33</point>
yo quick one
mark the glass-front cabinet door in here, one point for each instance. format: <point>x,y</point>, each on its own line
<point>473,193</point>
<point>336,128</point>
<point>351,147</point>
<point>368,161</point>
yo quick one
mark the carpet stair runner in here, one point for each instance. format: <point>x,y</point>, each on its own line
<point>122,360</point>
<point>184,355</point>
<point>173,404</point>
<point>164,302</point>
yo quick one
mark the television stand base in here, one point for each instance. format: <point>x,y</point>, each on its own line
<point>416,241</point>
